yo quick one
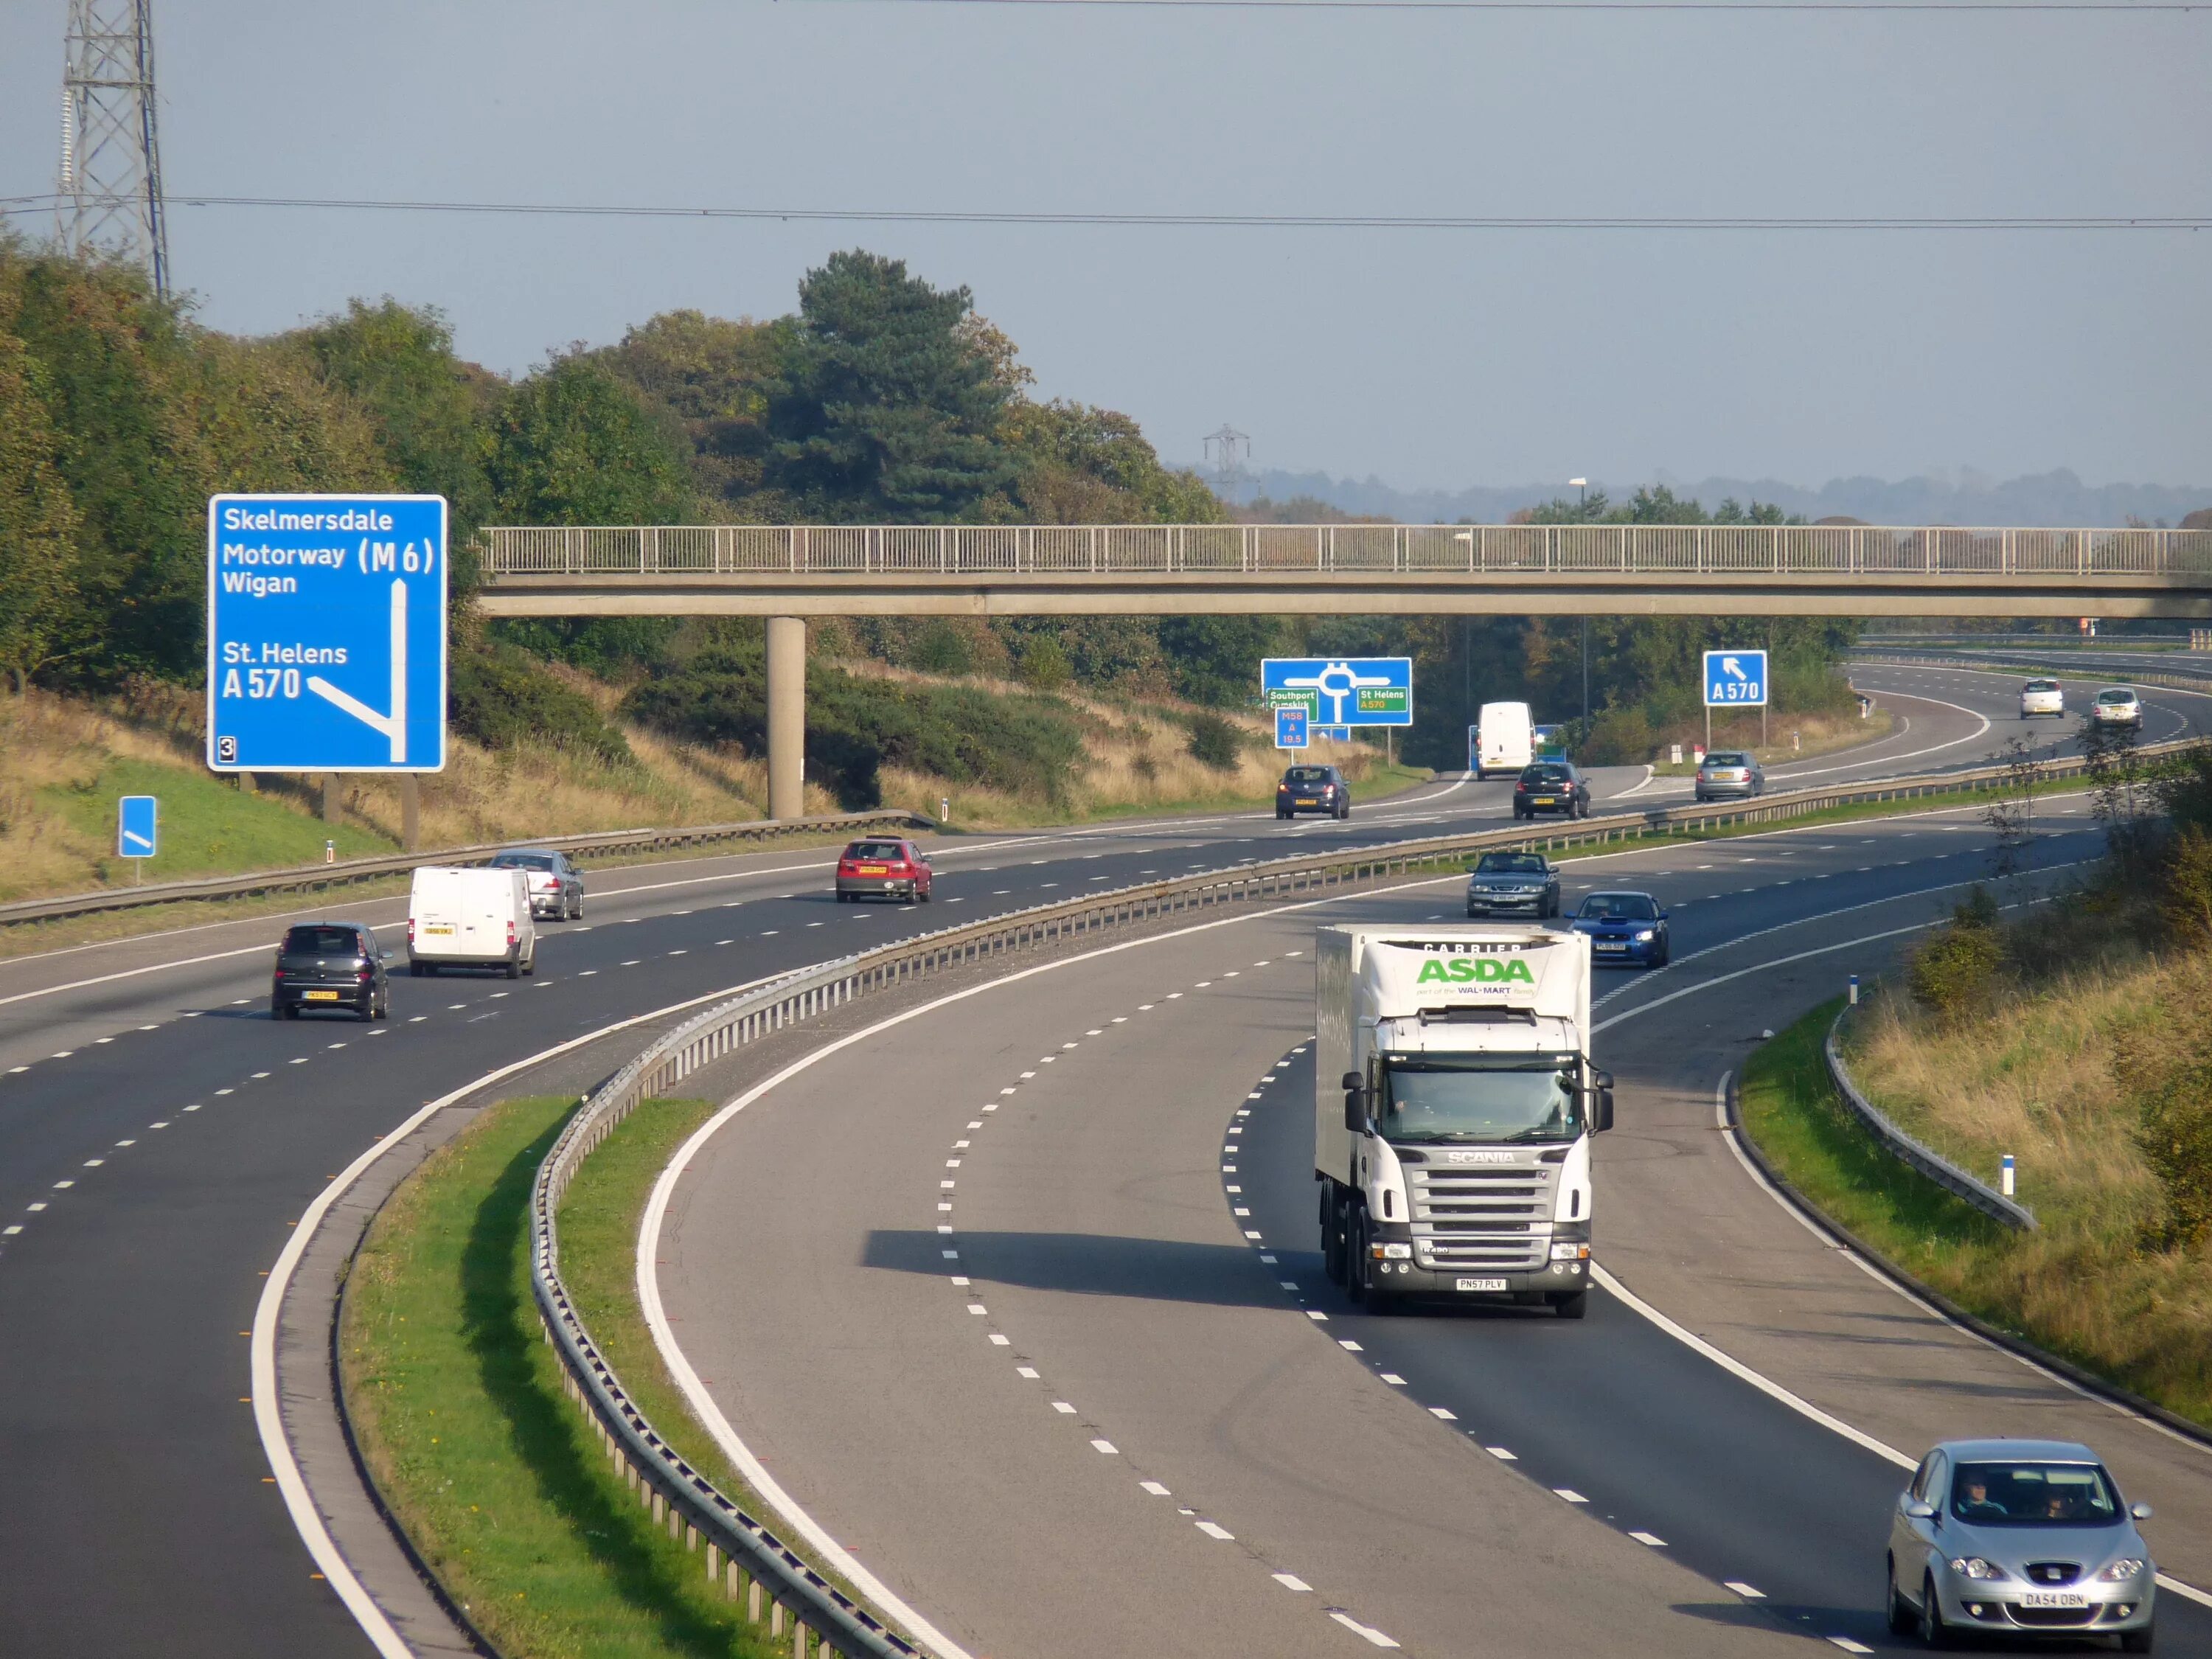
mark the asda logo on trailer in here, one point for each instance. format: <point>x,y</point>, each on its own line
<point>1477,970</point>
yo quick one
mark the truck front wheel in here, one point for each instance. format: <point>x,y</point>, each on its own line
<point>1332,1235</point>
<point>1365,1290</point>
<point>1573,1305</point>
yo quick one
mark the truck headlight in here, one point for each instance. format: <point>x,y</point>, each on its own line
<point>1570,1251</point>
<point>1395,1252</point>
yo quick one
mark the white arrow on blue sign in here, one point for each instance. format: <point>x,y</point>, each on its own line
<point>327,632</point>
<point>138,826</point>
<point>1735,679</point>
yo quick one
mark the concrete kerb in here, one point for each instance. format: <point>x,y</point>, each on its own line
<point>1909,1151</point>
<point>663,1478</point>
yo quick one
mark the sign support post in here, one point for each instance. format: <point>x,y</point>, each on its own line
<point>1735,679</point>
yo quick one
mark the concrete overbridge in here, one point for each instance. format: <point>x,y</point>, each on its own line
<point>787,572</point>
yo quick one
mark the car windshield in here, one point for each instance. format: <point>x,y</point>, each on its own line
<point>1728,760</point>
<point>875,849</point>
<point>1619,907</point>
<point>2040,685</point>
<point>523,861</point>
<point>1545,774</point>
<point>322,942</point>
<point>2035,1495</point>
<point>1510,864</point>
<point>1431,1098</point>
<point>1306,776</point>
<point>2116,696</point>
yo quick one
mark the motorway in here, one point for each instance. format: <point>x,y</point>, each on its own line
<point>159,1135</point>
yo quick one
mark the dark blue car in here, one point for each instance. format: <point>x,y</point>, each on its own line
<point>1624,928</point>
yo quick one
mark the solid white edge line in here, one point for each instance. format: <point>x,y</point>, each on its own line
<point>1735,1367</point>
<point>1792,772</point>
<point>696,1393</point>
<point>268,1413</point>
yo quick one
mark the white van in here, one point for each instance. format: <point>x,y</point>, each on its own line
<point>1504,741</point>
<point>471,918</point>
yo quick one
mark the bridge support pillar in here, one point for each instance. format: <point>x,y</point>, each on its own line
<point>787,717</point>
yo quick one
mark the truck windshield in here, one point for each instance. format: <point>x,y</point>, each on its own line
<point>1433,1098</point>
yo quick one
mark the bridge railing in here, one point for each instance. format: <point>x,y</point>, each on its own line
<point>1263,551</point>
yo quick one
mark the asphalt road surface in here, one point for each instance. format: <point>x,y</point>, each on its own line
<point>159,1133</point>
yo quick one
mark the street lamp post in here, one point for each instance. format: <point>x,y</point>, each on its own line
<point>1581,504</point>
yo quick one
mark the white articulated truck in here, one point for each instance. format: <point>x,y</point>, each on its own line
<point>1453,1101</point>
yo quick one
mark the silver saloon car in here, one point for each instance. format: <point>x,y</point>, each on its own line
<point>2021,1538</point>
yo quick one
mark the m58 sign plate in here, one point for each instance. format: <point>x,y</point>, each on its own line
<point>327,632</point>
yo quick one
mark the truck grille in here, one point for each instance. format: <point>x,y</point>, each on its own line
<point>1486,1218</point>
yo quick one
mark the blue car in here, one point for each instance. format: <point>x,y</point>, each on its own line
<point>1624,928</point>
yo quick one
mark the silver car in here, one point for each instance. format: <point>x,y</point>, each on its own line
<point>556,886</point>
<point>1731,772</point>
<point>2027,1537</point>
<point>2116,705</point>
<point>1513,884</point>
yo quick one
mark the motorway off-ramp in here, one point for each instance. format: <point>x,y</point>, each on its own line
<point>161,1133</point>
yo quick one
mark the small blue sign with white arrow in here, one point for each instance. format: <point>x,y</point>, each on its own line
<point>1735,679</point>
<point>138,826</point>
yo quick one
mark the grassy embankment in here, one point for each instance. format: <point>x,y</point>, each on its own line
<point>1813,735</point>
<point>2043,1066</point>
<point>456,1400</point>
<point>68,759</point>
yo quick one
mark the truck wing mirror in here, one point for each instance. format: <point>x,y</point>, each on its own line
<point>1601,1102</point>
<point>1351,1080</point>
<point>1355,1104</point>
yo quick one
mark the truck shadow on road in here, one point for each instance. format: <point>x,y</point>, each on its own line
<point>1083,1264</point>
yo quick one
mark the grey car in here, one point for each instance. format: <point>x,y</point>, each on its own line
<point>1513,884</point>
<point>556,886</point>
<point>2022,1537</point>
<point>1727,772</point>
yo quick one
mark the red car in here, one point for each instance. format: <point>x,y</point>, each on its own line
<point>885,869</point>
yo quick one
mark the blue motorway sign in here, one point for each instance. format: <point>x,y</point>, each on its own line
<point>1341,691</point>
<point>327,632</point>
<point>137,828</point>
<point>1291,727</point>
<point>1735,679</point>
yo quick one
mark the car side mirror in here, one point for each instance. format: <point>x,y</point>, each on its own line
<point>2141,1511</point>
<point>1662,916</point>
<point>1355,1103</point>
<point>1920,1510</point>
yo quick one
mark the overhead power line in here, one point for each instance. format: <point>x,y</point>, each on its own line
<point>2147,6</point>
<point>1551,222</point>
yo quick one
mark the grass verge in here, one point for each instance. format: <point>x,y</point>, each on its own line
<point>456,1401</point>
<point>2076,1289</point>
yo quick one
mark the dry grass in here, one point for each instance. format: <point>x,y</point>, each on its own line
<point>1816,735</point>
<point>2031,1073</point>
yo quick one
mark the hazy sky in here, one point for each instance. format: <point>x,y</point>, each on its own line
<point>1429,357</point>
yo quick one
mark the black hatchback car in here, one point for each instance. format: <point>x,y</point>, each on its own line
<point>329,964</point>
<point>1552,787</point>
<point>1313,789</point>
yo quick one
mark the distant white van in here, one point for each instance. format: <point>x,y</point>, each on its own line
<point>461,918</point>
<point>1504,742</point>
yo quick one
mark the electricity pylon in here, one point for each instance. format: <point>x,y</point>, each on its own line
<point>110,199</point>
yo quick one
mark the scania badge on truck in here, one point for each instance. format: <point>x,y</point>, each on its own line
<point>1453,1101</point>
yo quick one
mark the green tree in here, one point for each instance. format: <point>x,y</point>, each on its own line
<point>888,410</point>
<point>716,377</point>
<point>1216,659</point>
<point>38,522</point>
<point>571,445</point>
<point>429,409</point>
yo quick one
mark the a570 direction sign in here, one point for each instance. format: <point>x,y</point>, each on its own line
<point>327,632</point>
<point>1735,679</point>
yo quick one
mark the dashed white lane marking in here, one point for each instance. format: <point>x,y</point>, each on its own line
<point>1848,1646</point>
<point>1213,1530</point>
<point>1570,1494</point>
<point>1750,1593</point>
<point>1365,1632</point>
<point>1155,1488</point>
<point>1502,1454</point>
<point>1105,1449</point>
<point>1290,1581</point>
<point>1443,1414</point>
<point>1653,1540</point>
<point>1393,1379</point>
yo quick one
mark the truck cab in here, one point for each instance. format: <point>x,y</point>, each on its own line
<point>1455,1100</point>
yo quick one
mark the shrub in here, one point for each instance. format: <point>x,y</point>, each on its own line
<point>499,695</point>
<point>942,651</point>
<point>2185,887</point>
<point>1214,742</point>
<point>1953,972</point>
<point>2166,1074</point>
<point>1044,665</point>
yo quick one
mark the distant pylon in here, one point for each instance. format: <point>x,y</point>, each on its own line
<point>110,199</point>
<point>1228,449</point>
